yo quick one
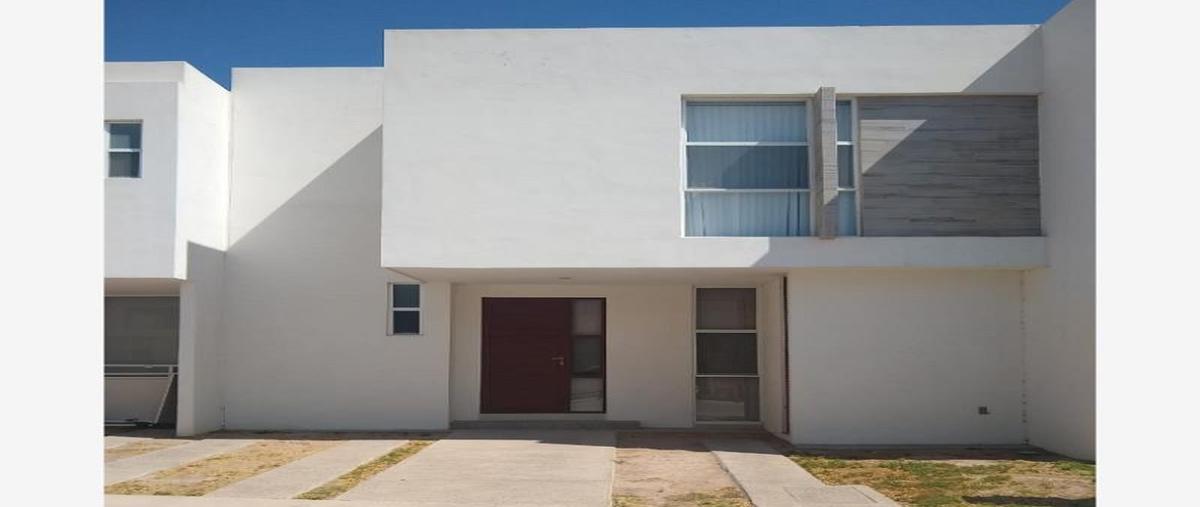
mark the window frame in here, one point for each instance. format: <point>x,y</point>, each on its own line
<point>758,350</point>
<point>855,149</point>
<point>109,150</point>
<point>603,374</point>
<point>684,143</point>
<point>392,309</point>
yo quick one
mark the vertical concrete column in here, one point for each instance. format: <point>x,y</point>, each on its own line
<point>823,143</point>
<point>201,400</point>
<point>436,306</point>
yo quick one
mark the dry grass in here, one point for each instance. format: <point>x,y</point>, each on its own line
<point>363,472</point>
<point>979,478</point>
<point>724,497</point>
<point>138,448</point>
<point>210,474</point>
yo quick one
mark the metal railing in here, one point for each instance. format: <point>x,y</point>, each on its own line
<point>116,372</point>
<point>140,370</point>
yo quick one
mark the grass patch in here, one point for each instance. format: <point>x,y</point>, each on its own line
<point>138,448</point>
<point>1077,467</point>
<point>941,480</point>
<point>363,472</point>
<point>724,497</point>
<point>628,501</point>
<point>210,474</point>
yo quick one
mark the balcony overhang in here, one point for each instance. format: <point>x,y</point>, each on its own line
<point>716,259</point>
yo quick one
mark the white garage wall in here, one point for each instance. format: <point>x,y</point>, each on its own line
<point>905,356</point>
<point>305,300</point>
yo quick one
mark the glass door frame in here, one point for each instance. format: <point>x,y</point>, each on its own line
<point>758,347</point>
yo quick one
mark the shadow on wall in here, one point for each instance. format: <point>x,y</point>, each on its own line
<point>319,250</point>
<point>998,78</point>
<point>351,183</point>
<point>949,166</point>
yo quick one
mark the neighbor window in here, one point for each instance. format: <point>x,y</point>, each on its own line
<point>847,173</point>
<point>747,169</point>
<point>726,355</point>
<point>124,149</point>
<point>405,308</point>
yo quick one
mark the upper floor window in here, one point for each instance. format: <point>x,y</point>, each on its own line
<point>405,314</point>
<point>124,149</point>
<point>747,169</point>
<point>847,206</point>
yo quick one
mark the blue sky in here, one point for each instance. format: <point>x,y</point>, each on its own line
<point>214,35</point>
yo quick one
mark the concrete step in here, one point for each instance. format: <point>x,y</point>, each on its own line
<point>546,425</point>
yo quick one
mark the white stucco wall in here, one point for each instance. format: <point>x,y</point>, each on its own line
<point>1060,300</point>
<point>512,148</point>
<point>306,301</point>
<point>905,356</point>
<point>139,213</point>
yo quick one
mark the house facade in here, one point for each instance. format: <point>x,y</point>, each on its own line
<point>843,235</point>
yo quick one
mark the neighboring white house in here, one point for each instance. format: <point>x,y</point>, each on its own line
<point>844,235</point>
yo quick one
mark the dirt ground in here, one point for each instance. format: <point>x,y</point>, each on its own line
<point>671,470</point>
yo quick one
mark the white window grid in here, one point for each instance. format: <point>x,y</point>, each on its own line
<point>688,189</point>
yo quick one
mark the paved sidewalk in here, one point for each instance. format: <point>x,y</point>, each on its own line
<point>307,473</point>
<point>501,467</point>
<point>770,479</point>
<point>111,441</point>
<point>144,464</point>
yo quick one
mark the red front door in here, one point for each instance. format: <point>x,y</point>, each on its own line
<point>526,355</point>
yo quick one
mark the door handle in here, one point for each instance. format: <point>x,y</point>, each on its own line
<point>560,360</point>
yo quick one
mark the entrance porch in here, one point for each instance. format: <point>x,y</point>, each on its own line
<point>658,354</point>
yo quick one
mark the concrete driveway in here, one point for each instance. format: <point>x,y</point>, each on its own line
<point>501,467</point>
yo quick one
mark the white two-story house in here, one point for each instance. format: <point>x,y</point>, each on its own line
<point>842,235</point>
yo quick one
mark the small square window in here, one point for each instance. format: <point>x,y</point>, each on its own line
<point>124,149</point>
<point>405,313</point>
